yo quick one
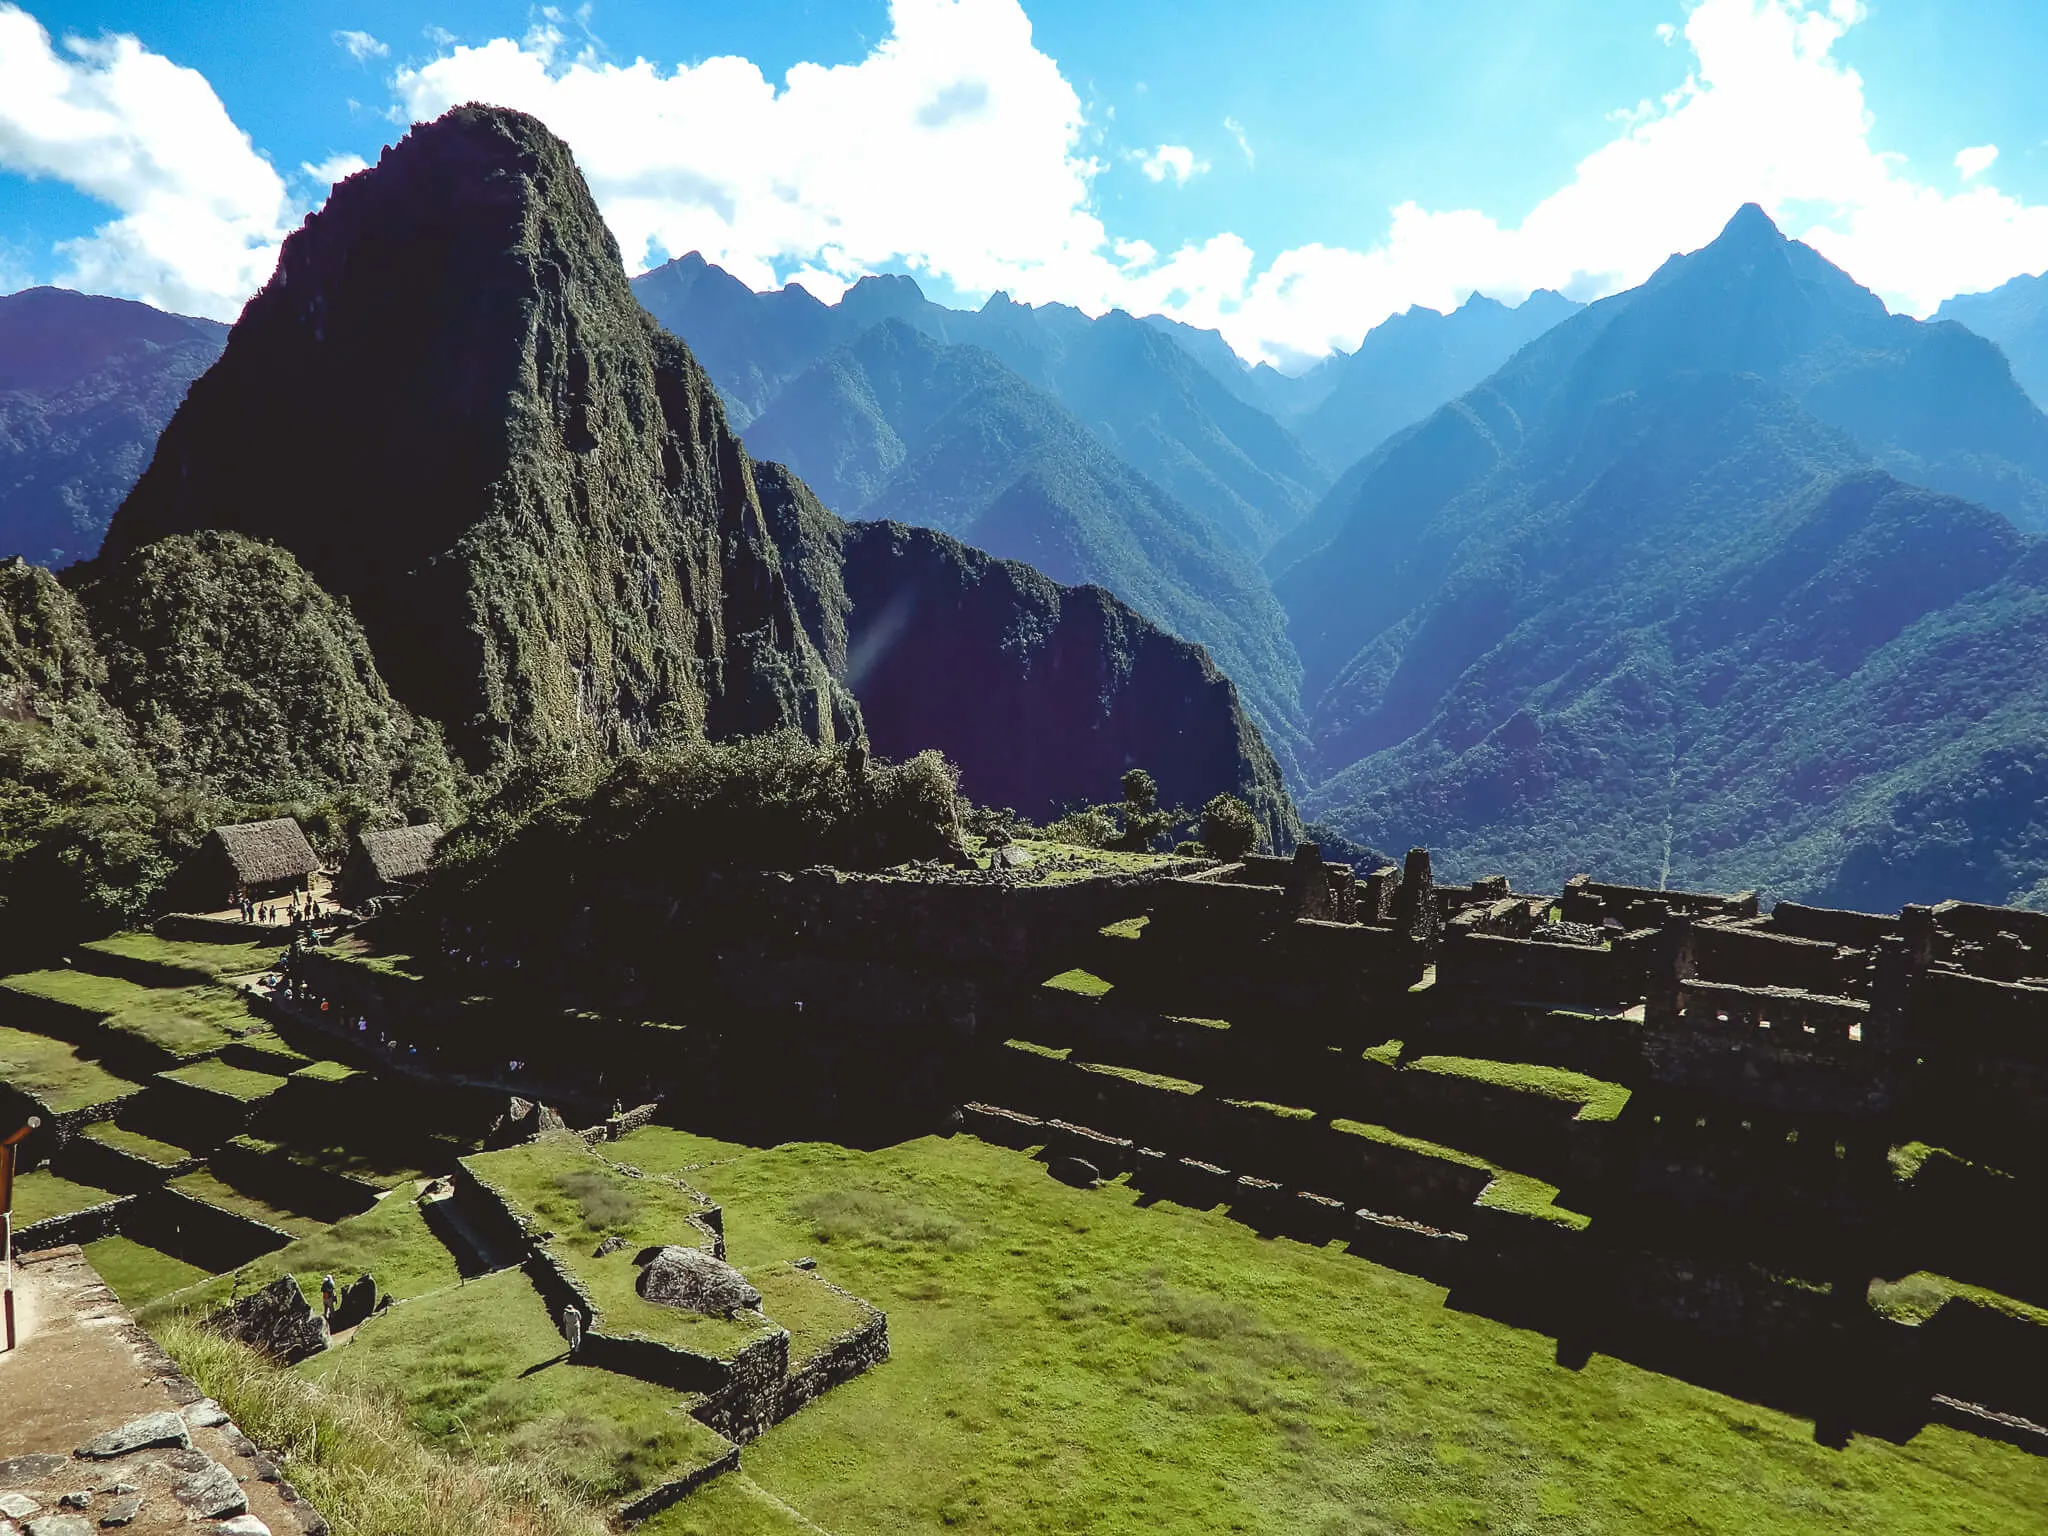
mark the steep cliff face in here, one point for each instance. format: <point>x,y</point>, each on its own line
<point>447,405</point>
<point>1042,694</point>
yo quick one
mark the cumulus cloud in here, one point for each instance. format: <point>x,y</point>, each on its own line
<point>200,213</point>
<point>957,150</point>
<point>1976,160</point>
<point>361,46</point>
<point>1175,161</point>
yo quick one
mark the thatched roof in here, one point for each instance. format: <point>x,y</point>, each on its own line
<point>400,853</point>
<point>261,852</point>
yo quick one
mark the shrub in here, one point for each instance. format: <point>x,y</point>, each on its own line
<point>1229,829</point>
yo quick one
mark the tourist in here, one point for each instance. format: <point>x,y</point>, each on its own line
<point>572,1327</point>
<point>327,1298</point>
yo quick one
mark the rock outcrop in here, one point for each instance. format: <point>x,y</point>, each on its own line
<point>447,405</point>
<point>276,1320</point>
<point>692,1280</point>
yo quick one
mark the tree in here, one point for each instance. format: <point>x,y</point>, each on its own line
<point>1144,822</point>
<point>1229,829</point>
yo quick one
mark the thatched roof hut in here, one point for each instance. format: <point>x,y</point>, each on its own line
<point>259,859</point>
<point>382,863</point>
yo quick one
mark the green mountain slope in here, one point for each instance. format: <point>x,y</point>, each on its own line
<point>898,426</point>
<point>1639,603</point>
<point>2014,316</point>
<point>1043,695</point>
<point>86,384</point>
<point>449,408</point>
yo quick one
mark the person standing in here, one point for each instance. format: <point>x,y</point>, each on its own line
<point>572,1327</point>
<point>328,1299</point>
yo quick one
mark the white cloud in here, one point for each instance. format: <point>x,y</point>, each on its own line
<point>334,168</point>
<point>956,149</point>
<point>1236,130</point>
<point>1976,160</point>
<point>200,212</point>
<point>361,46</point>
<point>1170,160</point>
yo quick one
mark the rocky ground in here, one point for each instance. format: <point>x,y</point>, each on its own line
<point>98,1429</point>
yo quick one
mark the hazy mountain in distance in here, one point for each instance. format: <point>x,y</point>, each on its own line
<point>1145,397</point>
<point>2015,315</point>
<point>1643,602</point>
<point>86,384</point>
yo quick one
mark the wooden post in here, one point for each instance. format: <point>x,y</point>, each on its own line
<point>8,1154</point>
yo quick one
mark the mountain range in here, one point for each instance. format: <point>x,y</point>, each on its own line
<point>1654,599</point>
<point>2014,315</point>
<point>86,384</point>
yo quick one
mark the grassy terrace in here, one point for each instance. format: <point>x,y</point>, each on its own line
<point>1915,1298</point>
<point>53,1073</point>
<point>135,1144</point>
<point>1064,1360</point>
<point>385,1165</point>
<point>42,1194</point>
<point>1082,983</point>
<point>217,1077</point>
<point>201,961</point>
<point>273,1053</point>
<point>180,1021</point>
<point>1598,1100</point>
<point>559,1186</point>
<point>390,1242</point>
<point>204,1187</point>
<point>1053,863</point>
<point>139,1274</point>
<point>482,1373</point>
<point>326,1072</point>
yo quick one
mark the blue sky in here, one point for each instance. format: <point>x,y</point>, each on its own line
<point>1237,165</point>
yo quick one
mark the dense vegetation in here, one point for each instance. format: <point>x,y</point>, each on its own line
<point>2015,316</point>
<point>1042,694</point>
<point>205,680</point>
<point>895,425</point>
<point>447,405</point>
<point>1644,610</point>
<point>86,384</point>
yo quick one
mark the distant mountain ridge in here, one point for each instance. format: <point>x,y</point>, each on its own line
<point>895,425</point>
<point>1639,601</point>
<point>2015,316</point>
<point>86,384</point>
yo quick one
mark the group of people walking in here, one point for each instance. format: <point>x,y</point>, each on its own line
<point>300,909</point>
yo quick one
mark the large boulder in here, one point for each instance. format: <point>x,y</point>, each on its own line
<point>693,1281</point>
<point>275,1320</point>
<point>522,1121</point>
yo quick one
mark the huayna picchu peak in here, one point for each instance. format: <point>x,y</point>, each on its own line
<point>448,406</point>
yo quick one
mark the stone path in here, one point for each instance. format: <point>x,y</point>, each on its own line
<point>99,1430</point>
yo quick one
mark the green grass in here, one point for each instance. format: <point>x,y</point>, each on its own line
<point>53,1073</point>
<point>1064,1360</point>
<point>327,1072</point>
<point>1387,1053</point>
<point>277,1055</point>
<point>732,1505</point>
<point>181,1021</point>
<point>135,1144</point>
<point>42,1194</point>
<point>1083,983</point>
<point>390,1242</point>
<point>557,1185</point>
<point>1148,1079</point>
<point>1522,1195</point>
<point>218,1077</point>
<point>1127,928</point>
<point>1598,1100</point>
<point>663,1149</point>
<point>481,1372</point>
<point>137,1274</point>
<point>205,1187</point>
<point>1915,1298</point>
<point>1049,1052</point>
<point>1277,1111</point>
<point>1385,1137</point>
<point>1056,863</point>
<point>351,1452</point>
<point>204,961</point>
